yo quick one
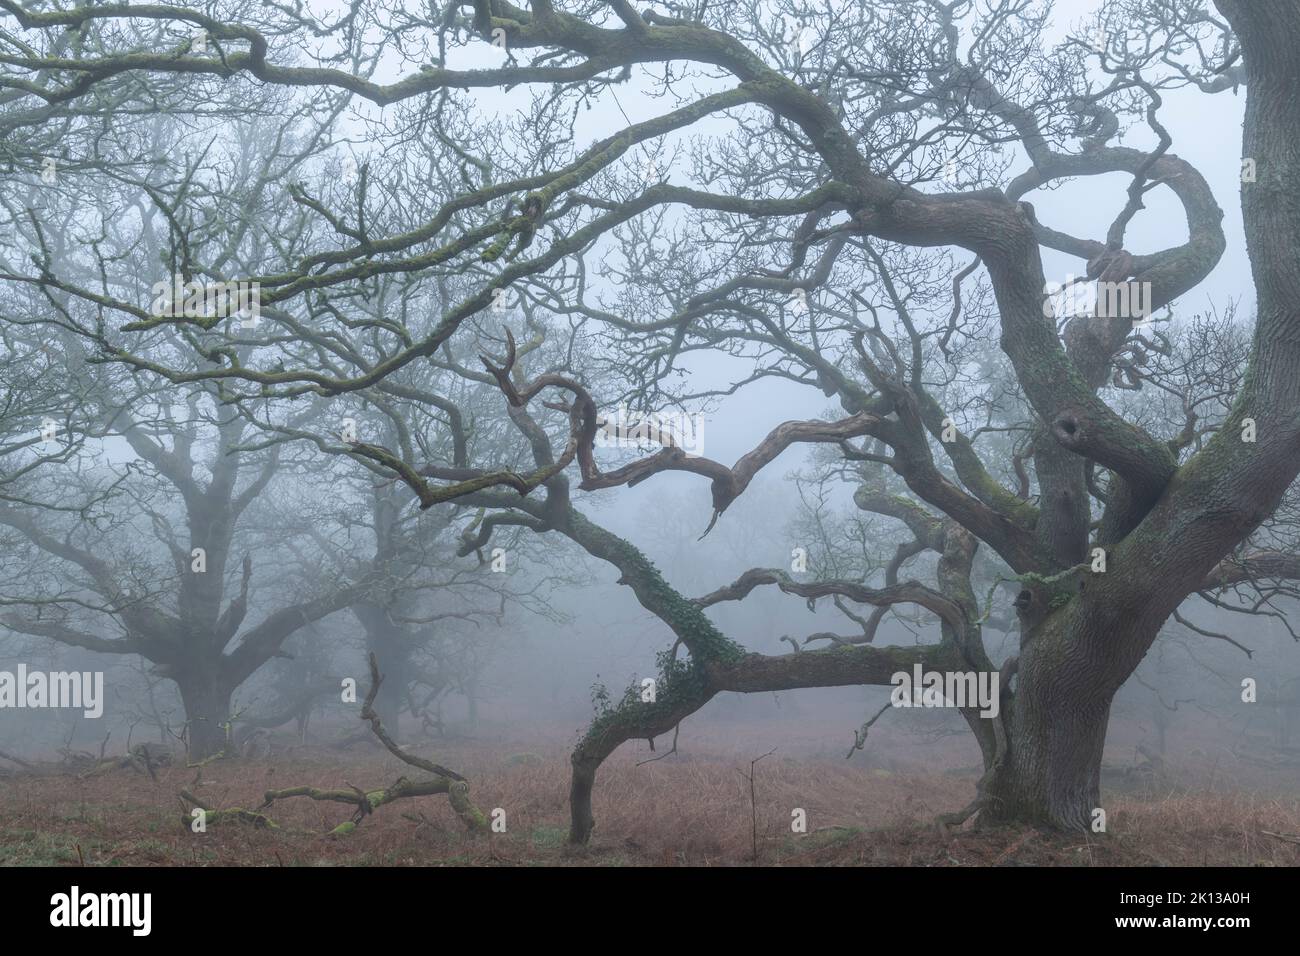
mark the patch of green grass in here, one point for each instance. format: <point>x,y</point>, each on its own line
<point>550,837</point>
<point>157,848</point>
<point>818,839</point>
<point>39,848</point>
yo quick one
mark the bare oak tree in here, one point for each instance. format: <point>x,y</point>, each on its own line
<point>835,152</point>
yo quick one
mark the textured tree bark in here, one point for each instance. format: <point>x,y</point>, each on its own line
<point>581,821</point>
<point>1051,774</point>
<point>1075,657</point>
<point>1080,642</point>
<point>1053,771</point>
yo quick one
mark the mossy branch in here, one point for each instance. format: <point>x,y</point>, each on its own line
<point>213,817</point>
<point>367,801</point>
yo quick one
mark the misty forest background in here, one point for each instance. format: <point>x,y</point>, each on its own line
<point>477,232</point>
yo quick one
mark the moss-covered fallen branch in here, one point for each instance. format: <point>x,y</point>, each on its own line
<point>214,817</point>
<point>368,801</point>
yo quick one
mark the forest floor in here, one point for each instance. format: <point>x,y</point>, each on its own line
<point>686,809</point>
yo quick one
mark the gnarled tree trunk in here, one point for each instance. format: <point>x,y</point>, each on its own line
<point>1056,731</point>
<point>206,699</point>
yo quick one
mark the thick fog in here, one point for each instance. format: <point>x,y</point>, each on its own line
<point>674,408</point>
